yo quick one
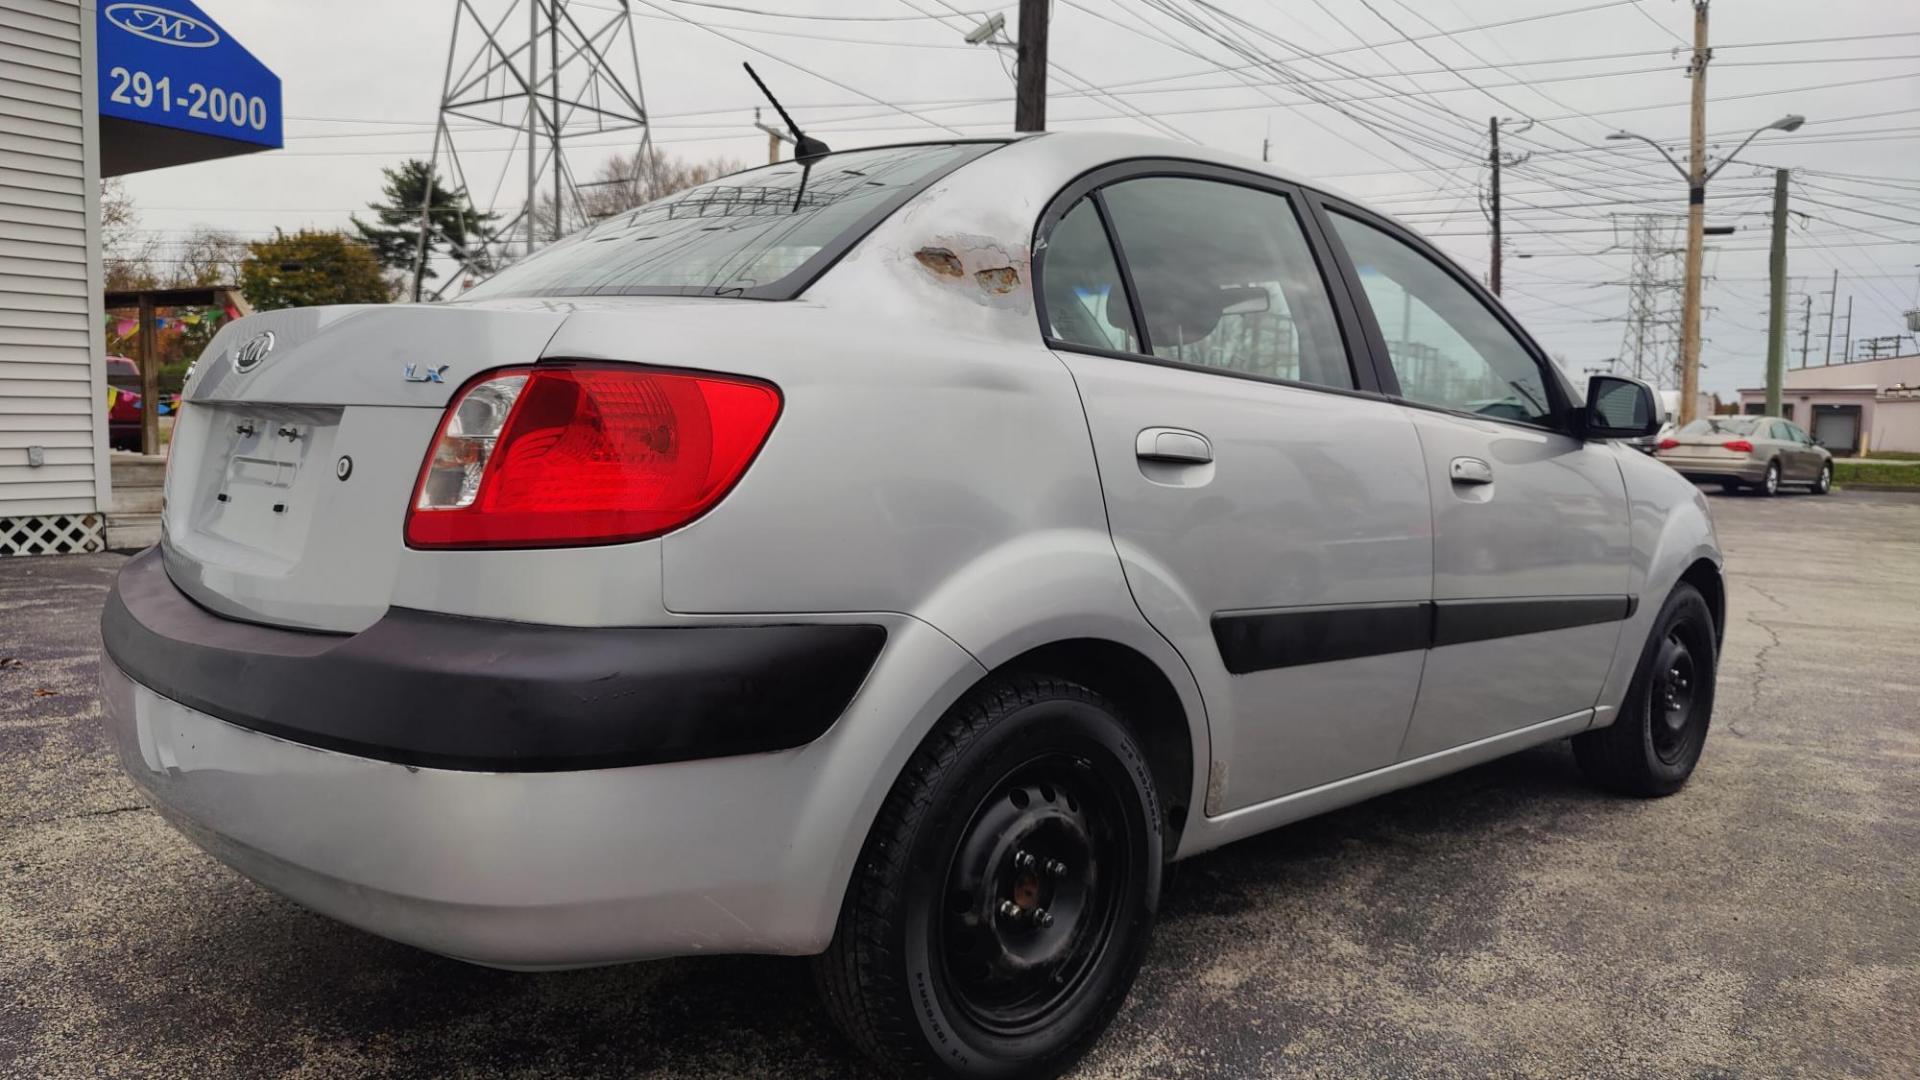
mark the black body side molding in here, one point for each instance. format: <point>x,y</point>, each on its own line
<point>447,692</point>
<point>1263,640</point>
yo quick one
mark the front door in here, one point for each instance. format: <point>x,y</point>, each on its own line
<point>1273,524</point>
<point>1530,525</point>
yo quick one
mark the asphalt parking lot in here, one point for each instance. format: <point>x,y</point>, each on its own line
<point>1508,921</point>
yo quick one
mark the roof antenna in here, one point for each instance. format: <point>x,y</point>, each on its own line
<point>804,148</point>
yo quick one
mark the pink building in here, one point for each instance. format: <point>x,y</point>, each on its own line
<point>1854,409</point>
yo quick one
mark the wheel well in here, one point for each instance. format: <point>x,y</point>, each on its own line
<point>1705,576</point>
<point>1148,703</point>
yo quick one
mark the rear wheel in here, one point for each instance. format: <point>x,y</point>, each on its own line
<point>1769,484</point>
<point>1823,483</point>
<point>1652,747</point>
<point>1002,905</point>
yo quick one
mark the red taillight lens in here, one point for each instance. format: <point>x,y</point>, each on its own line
<point>1668,444</point>
<point>570,454</point>
<point>1741,445</point>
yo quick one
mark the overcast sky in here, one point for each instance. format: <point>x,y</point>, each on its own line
<point>361,82</point>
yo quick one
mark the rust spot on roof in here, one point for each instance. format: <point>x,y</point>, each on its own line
<point>1000,279</point>
<point>940,261</point>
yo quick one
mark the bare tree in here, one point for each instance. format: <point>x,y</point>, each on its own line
<point>208,256</point>
<point>127,252</point>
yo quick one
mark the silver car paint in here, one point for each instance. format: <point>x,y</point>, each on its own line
<point>933,469</point>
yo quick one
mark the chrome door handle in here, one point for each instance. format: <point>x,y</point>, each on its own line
<point>1173,444</point>
<point>1470,470</point>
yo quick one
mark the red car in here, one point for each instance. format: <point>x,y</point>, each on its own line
<point>123,409</point>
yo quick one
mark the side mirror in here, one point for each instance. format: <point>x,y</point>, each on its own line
<point>1618,407</point>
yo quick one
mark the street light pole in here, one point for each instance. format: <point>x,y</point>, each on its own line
<point>1697,176</point>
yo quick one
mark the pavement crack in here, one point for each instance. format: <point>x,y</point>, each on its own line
<point>107,812</point>
<point>1760,672</point>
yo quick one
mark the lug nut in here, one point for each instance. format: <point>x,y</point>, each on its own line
<point>1010,909</point>
<point>1042,918</point>
<point>1023,859</point>
<point>1056,868</point>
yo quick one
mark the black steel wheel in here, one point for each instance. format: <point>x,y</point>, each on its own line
<point>1003,902</point>
<point>1653,745</point>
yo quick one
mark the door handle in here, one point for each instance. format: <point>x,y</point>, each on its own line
<point>1173,444</point>
<point>1470,470</point>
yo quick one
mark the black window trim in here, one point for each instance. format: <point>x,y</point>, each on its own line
<point>1559,392</point>
<point>796,282</point>
<point>1093,181</point>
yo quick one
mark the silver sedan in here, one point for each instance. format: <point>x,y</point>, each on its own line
<point>1758,453</point>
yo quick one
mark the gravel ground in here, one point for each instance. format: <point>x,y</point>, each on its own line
<point>1507,921</point>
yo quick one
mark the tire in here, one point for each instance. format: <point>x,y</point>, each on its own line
<point>1823,484</point>
<point>932,971</point>
<point>1653,746</point>
<point>1769,485</point>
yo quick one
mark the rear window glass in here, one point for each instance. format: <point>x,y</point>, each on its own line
<point>744,234</point>
<point>1721,425</point>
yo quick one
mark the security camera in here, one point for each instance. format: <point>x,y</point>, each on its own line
<point>986,31</point>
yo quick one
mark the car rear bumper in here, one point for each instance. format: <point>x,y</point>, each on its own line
<point>540,867</point>
<point>1722,470</point>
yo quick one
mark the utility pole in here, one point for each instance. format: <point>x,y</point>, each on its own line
<point>1696,219</point>
<point>1806,324</point>
<point>775,136</point>
<point>1030,101</point>
<point>1493,160</point>
<point>1846,336</point>
<point>1833,301</point>
<point>1777,294</point>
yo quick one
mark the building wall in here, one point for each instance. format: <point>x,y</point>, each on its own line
<point>52,375</point>
<point>1896,425</point>
<point>1887,372</point>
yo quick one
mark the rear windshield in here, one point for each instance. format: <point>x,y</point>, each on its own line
<point>1721,425</point>
<point>765,233</point>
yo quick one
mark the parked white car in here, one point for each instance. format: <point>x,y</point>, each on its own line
<point>898,557</point>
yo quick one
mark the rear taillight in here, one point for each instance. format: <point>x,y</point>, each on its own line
<point>1668,444</point>
<point>1741,445</point>
<point>561,455</point>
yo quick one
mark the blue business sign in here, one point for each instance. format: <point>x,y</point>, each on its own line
<point>169,65</point>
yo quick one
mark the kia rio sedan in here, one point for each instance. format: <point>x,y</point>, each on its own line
<point>898,557</point>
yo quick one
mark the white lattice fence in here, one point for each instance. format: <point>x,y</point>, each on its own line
<point>52,534</point>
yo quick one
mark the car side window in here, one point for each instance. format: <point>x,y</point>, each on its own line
<point>1226,279</point>
<point>1798,434</point>
<point>1446,348</point>
<point>1085,300</point>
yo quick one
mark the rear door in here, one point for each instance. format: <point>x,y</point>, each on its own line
<point>1531,546</point>
<point>1270,511</point>
<point>1798,462</point>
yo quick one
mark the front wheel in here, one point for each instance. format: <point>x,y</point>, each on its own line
<point>1002,904</point>
<point>1652,747</point>
<point>1823,483</point>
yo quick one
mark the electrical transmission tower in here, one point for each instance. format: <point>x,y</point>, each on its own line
<point>523,79</point>
<point>1649,347</point>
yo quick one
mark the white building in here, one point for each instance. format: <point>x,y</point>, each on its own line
<point>142,77</point>
<point>1854,408</point>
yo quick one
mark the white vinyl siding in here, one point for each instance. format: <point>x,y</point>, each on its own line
<point>52,380</point>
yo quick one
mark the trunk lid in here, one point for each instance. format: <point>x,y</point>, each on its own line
<point>294,458</point>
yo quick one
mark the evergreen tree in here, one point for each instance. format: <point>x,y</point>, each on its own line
<point>454,228</point>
